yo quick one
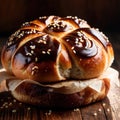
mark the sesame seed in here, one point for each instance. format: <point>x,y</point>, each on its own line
<point>67,40</point>
<point>79,34</point>
<point>77,109</point>
<point>97,29</point>
<point>20,103</point>
<point>48,51</point>
<point>95,114</point>
<point>14,111</point>
<point>44,17</point>
<point>26,23</point>
<point>36,59</point>
<point>44,42</point>
<point>99,109</point>
<point>35,67</point>
<point>44,37</point>
<point>72,48</point>
<point>32,51</point>
<point>43,52</point>
<point>49,112</point>
<point>10,104</point>
<point>28,32</point>
<point>11,38</point>
<point>28,108</point>
<point>108,109</point>
<point>81,40</point>
<point>104,104</point>
<point>79,44</point>
<point>32,46</point>
<point>52,28</point>
<point>29,54</point>
<point>74,51</point>
<point>76,17</point>
<point>33,72</point>
<point>14,100</point>
<point>9,43</point>
<point>6,106</point>
<point>40,41</point>
<point>34,31</point>
<point>68,16</point>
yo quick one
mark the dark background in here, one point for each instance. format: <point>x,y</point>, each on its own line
<point>103,14</point>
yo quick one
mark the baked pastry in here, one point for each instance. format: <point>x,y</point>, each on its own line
<point>58,50</point>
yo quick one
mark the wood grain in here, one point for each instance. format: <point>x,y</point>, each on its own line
<point>107,109</point>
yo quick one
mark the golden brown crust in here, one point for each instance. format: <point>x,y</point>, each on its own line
<point>52,48</point>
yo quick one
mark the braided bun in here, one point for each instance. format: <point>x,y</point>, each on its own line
<point>52,48</point>
<point>58,62</point>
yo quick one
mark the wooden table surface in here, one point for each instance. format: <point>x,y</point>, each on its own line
<point>107,109</point>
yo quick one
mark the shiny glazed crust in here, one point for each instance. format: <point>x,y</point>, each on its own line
<point>51,49</point>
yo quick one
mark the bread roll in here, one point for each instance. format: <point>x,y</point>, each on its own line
<point>51,49</point>
<point>58,62</point>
